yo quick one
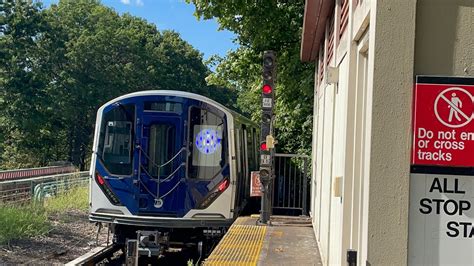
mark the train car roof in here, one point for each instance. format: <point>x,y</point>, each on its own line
<point>183,94</point>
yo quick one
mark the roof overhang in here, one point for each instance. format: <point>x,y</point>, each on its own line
<point>316,13</point>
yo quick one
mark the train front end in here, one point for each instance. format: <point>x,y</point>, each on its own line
<point>162,159</point>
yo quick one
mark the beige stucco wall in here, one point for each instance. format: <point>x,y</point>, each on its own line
<point>445,37</point>
<point>365,125</point>
<point>444,46</point>
<point>391,60</point>
<point>397,40</point>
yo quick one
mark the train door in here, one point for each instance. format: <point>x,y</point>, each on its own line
<point>245,161</point>
<point>183,159</point>
<point>242,169</point>
<point>238,167</point>
<point>162,163</point>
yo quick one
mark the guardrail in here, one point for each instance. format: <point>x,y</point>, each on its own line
<point>290,187</point>
<point>36,188</point>
<point>33,172</point>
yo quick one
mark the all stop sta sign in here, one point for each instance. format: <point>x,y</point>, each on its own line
<point>443,122</point>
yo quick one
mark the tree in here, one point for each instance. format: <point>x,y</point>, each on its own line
<point>60,64</point>
<point>266,25</point>
<point>22,81</point>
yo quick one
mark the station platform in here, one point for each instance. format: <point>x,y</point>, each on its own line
<point>287,241</point>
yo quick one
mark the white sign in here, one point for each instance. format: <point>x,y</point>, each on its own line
<point>441,223</point>
<point>267,102</point>
<point>265,159</point>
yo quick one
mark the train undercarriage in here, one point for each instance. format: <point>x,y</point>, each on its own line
<point>147,245</point>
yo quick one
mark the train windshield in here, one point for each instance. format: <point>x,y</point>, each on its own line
<point>161,149</point>
<point>115,141</point>
<point>207,135</point>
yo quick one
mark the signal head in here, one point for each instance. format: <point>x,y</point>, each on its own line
<point>269,59</point>
<point>267,75</point>
<point>266,118</point>
<point>267,89</point>
<point>268,62</point>
<point>264,174</point>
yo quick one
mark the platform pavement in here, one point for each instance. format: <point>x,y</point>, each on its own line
<point>288,241</point>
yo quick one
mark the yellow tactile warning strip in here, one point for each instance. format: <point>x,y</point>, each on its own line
<point>240,246</point>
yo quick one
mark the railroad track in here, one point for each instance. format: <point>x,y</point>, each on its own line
<point>95,256</point>
<point>112,255</point>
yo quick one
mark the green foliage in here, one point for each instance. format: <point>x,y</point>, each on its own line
<point>21,222</point>
<point>21,79</point>
<point>266,25</point>
<point>58,65</point>
<point>32,219</point>
<point>74,199</point>
<point>260,25</point>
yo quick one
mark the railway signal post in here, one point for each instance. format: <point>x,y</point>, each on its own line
<point>266,135</point>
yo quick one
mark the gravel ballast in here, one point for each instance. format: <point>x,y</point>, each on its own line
<point>71,235</point>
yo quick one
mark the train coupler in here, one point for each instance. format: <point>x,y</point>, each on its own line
<point>148,243</point>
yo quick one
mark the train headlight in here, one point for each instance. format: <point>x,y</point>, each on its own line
<point>106,189</point>
<point>215,192</point>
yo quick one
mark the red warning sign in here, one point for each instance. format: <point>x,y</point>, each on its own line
<point>443,126</point>
<point>255,185</point>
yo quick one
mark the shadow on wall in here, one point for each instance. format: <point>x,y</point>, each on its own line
<point>444,37</point>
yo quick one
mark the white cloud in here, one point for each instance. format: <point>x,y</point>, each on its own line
<point>138,2</point>
<point>126,2</point>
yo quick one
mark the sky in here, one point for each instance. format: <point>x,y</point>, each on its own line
<point>177,15</point>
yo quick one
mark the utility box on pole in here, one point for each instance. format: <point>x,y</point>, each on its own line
<point>266,136</point>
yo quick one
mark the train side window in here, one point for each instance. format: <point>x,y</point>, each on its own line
<point>206,144</point>
<point>115,144</point>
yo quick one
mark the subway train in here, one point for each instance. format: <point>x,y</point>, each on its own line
<point>169,168</point>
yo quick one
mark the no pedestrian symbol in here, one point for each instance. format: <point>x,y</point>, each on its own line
<point>454,107</point>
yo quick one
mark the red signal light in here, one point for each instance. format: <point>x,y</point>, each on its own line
<point>263,146</point>
<point>267,89</point>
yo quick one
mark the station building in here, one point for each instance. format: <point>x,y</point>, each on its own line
<point>367,54</point>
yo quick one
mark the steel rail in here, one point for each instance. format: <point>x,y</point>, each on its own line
<point>94,256</point>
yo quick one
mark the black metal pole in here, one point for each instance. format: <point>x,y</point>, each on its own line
<point>266,138</point>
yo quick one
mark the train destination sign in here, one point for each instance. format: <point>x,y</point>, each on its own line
<point>441,220</point>
<point>443,122</point>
